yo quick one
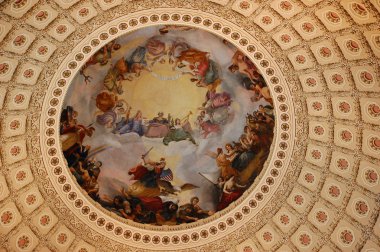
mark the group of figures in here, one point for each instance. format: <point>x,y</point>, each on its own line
<point>241,161</point>
<point>85,170</point>
<point>185,59</point>
<point>150,195</point>
<point>144,201</point>
<point>148,199</point>
<point>116,114</point>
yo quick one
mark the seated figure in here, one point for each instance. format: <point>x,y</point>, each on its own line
<point>178,132</point>
<point>158,127</point>
<point>129,125</point>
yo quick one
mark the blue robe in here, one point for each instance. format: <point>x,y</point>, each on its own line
<point>242,160</point>
<point>132,125</point>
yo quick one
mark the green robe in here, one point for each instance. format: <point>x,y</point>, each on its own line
<point>178,135</point>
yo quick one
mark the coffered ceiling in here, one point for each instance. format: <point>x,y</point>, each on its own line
<point>319,191</point>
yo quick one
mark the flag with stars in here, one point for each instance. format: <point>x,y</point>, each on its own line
<point>166,175</point>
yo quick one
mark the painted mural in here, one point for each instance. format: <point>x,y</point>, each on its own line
<point>167,125</point>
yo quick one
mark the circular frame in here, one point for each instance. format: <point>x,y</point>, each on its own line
<point>187,235</point>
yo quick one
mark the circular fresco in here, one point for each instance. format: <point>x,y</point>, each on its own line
<point>167,125</point>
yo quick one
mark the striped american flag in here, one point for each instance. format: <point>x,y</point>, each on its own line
<point>166,175</point>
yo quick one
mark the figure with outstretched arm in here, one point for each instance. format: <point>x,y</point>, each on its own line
<point>148,172</point>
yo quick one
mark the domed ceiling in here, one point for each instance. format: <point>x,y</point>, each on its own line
<point>180,124</point>
<point>221,125</point>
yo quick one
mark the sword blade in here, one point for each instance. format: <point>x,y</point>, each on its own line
<point>206,178</point>
<point>146,153</point>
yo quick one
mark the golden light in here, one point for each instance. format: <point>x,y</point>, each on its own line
<point>163,90</point>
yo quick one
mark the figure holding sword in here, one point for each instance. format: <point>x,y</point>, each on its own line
<point>148,172</point>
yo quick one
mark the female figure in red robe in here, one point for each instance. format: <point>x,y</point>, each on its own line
<point>146,174</point>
